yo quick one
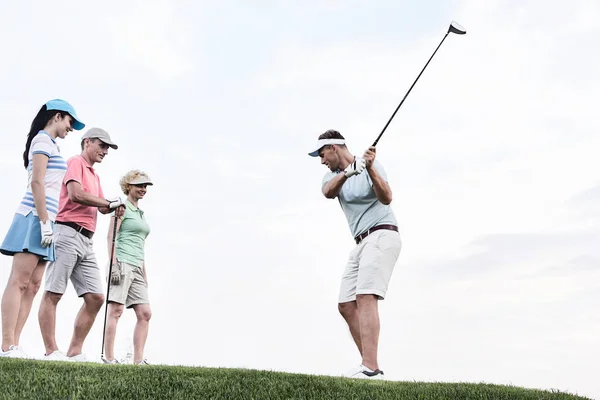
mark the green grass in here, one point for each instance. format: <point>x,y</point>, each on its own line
<point>31,379</point>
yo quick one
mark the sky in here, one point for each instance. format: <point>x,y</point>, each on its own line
<point>492,161</point>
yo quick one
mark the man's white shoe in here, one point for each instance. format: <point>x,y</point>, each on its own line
<point>362,372</point>
<point>79,358</point>
<point>13,352</point>
<point>56,355</point>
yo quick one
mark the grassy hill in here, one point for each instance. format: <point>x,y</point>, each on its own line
<point>31,379</point>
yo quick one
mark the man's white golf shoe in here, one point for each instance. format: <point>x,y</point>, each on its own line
<point>362,372</point>
<point>79,358</point>
<point>56,355</point>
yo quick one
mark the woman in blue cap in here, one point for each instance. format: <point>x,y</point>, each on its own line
<point>30,237</point>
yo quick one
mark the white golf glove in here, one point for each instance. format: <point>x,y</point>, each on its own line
<point>47,234</point>
<point>356,167</point>
<point>115,202</point>
<point>115,276</point>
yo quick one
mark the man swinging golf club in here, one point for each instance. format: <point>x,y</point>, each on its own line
<point>365,198</point>
<point>361,187</point>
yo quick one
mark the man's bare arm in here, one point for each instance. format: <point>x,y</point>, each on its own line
<point>80,196</point>
<point>332,188</point>
<point>382,189</point>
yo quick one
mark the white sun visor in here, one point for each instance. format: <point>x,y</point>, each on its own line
<point>324,142</point>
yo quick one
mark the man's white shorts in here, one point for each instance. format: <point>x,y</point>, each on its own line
<point>370,265</point>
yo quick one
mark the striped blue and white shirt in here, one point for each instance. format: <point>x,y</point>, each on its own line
<point>56,169</point>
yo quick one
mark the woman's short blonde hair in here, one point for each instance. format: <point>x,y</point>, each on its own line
<point>128,177</point>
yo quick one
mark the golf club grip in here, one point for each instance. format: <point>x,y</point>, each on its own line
<point>406,95</point>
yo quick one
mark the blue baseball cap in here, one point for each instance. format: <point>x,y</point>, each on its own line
<point>61,105</point>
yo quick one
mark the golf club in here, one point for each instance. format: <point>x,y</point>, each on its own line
<point>112,254</point>
<point>454,28</point>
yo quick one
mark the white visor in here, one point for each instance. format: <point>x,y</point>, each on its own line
<point>324,142</point>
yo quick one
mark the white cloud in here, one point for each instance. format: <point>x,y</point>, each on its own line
<point>152,35</point>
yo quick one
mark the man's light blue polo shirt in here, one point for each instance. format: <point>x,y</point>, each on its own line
<point>359,203</point>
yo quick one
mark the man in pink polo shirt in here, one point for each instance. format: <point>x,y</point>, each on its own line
<point>81,198</point>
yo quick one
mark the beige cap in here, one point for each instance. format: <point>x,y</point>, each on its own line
<point>141,179</point>
<point>97,133</point>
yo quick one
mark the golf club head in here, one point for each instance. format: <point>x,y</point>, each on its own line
<point>456,28</point>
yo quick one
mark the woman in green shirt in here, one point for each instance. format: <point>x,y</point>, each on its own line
<point>128,281</point>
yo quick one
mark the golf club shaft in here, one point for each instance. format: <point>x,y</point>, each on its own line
<point>112,254</point>
<point>397,108</point>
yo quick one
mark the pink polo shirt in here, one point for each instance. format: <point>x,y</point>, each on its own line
<point>79,170</point>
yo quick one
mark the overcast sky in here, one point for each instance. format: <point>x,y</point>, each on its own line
<point>492,160</point>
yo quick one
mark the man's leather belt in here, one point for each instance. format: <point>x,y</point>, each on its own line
<point>366,233</point>
<point>85,232</point>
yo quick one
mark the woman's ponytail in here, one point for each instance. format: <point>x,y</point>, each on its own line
<point>38,124</point>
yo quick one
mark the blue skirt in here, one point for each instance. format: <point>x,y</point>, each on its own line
<point>25,236</point>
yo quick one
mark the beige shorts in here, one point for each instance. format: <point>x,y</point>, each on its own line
<point>75,261</point>
<point>370,265</point>
<point>132,289</point>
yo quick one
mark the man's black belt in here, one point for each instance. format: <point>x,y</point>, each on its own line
<point>85,232</point>
<point>366,233</point>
